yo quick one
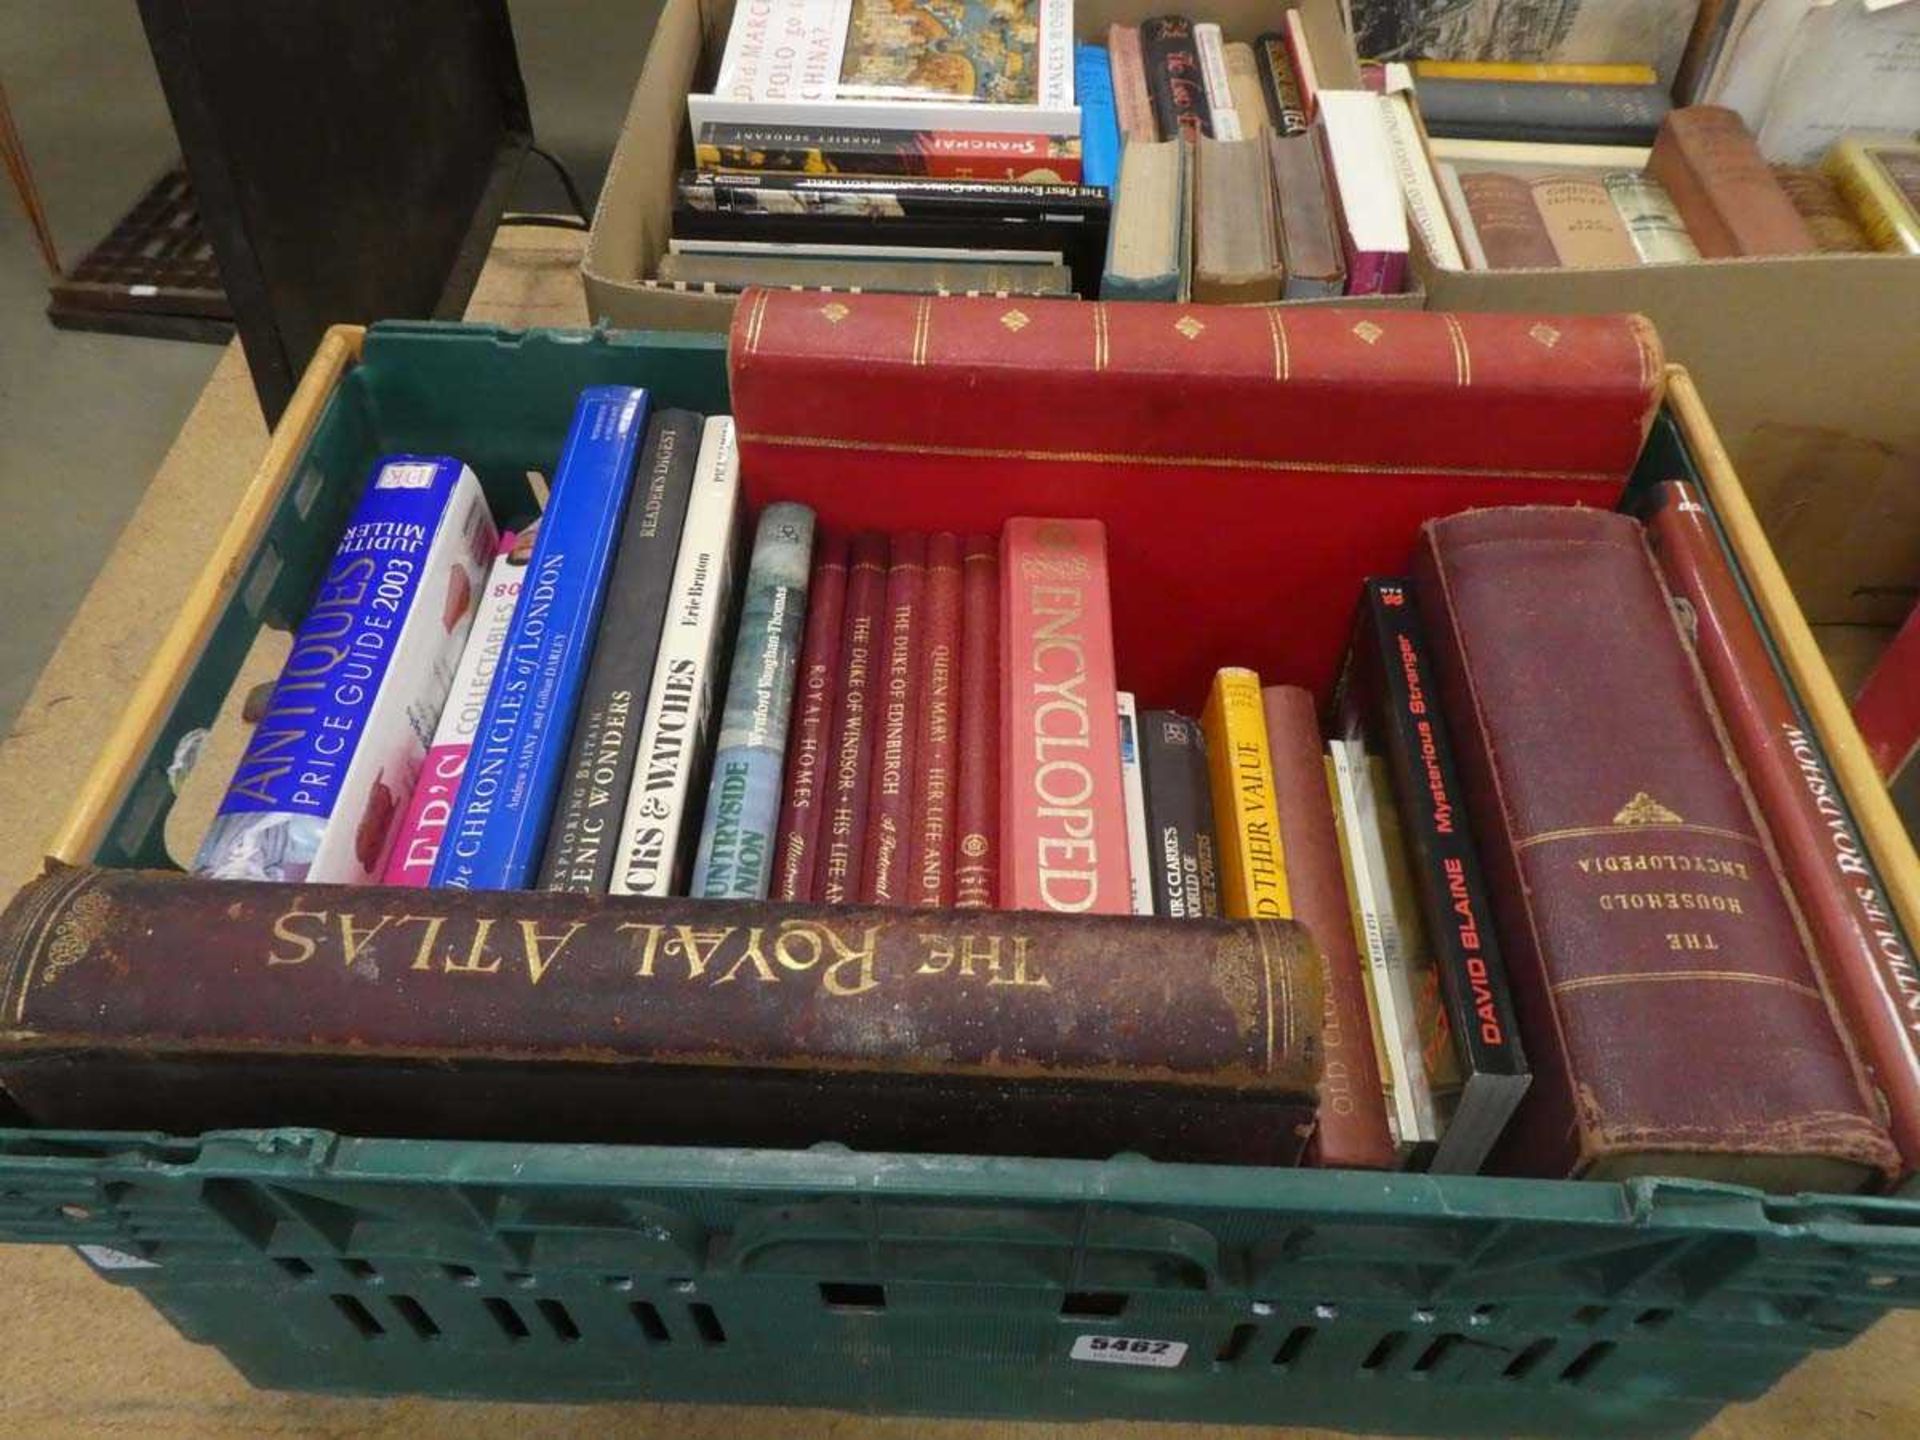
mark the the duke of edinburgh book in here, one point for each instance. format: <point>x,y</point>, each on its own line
<point>1099,125</point>
<point>884,876</point>
<point>1062,811</point>
<point>936,753</point>
<point>1373,222</point>
<point>803,802</point>
<point>1387,945</point>
<point>1868,962</point>
<point>735,858</point>
<point>1389,702</point>
<point>499,821</point>
<point>1658,969</point>
<point>1181,858</point>
<point>606,737</point>
<point>843,833</point>
<point>1353,1131</point>
<point>417,845</point>
<point>332,763</point>
<point>658,829</point>
<point>976,801</point>
<point>939,154</point>
<point>547,1017</point>
<point>993,65</point>
<point>1253,862</point>
<point>1133,791</point>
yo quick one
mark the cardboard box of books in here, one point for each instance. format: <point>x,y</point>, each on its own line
<point>634,225</point>
<point>1800,355</point>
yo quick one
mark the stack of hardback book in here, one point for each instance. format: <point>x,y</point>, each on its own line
<point>892,145</point>
<point>1518,877</point>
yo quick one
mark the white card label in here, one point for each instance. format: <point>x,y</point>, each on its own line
<point>105,1257</point>
<point>1129,1350</point>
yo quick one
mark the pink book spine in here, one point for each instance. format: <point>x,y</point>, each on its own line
<point>884,878</point>
<point>797,841</point>
<point>976,851</point>
<point>1063,810</point>
<point>417,843</point>
<point>930,856</point>
<point>1375,272</point>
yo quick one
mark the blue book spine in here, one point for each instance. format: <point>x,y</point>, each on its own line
<point>1099,122</point>
<point>499,822</point>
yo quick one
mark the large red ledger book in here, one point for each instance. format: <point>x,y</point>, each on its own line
<point>1062,810</point>
<point>1210,439</point>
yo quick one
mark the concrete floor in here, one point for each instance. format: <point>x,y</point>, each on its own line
<point>85,419</point>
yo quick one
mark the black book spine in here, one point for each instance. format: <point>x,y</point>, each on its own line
<point>1180,835</point>
<point>1535,110</point>
<point>1282,85</point>
<point>584,836</point>
<point>1403,709</point>
<point>1175,83</point>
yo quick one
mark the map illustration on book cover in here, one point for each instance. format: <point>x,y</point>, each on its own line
<point>984,50</point>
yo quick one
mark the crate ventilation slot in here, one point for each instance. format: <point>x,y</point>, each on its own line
<point>415,1316</point>
<point>1235,1345</point>
<point>1092,1305</point>
<point>558,1320</point>
<point>1582,1365</point>
<point>1431,1357</point>
<point>1384,1349</point>
<point>359,1317</point>
<point>1293,1346</point>
<point>295,1267</point>
<point>506,1317</point>
<point>1524,1363</point>
<point>852,1295</point>
<point>362,1270</point>
<point>707,1324</point>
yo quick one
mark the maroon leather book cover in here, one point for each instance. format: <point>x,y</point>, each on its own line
<point>930,838</point>
<point>1675,1020</point>
<point>1860,945</point>
<point>147,1001</point>
<point>1353,1131</point>
<point>896,730</point>
<point>795,844</point>
<point>1512,231</point>
<point>976,819</point>
<point>844,827</point>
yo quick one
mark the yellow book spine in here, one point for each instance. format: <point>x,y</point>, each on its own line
<point>1868,175</point>
<point>1253,866</point>
<point>1543,73</point>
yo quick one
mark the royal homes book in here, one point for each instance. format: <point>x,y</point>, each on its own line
<point>499,822</point>
<point>417,845</point>
<point>332,764</point>
<point>735,858</point>
<point>659,829</point>
<point>987,65</point>
<point>1062,808</point>
<point>810,729</point>
<point>606,737</point>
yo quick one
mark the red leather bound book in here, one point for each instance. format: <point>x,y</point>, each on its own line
<point>844,827</point>
<point>884,878</point>
<point>1887,709</point>
<point>930,837</point>
<point>796,844</point>
<point>1675,1021</point>
<point>1352,1133</point>
<point>976,806</point>
<point>1061,804</point>
<point>1867,962</point>
<point>1214,431</point>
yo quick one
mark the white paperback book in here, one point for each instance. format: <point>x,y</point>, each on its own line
<point>1415,1120</point>
<point>661,811</point>
<point>786,63</point>
<point>1373,215</point>
<point>1419,187</point>
<point>1133,789</point>
<point>1212,49</point>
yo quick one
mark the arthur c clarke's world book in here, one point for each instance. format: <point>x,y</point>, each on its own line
<point>201,1004</point>
<point>1657,969</point>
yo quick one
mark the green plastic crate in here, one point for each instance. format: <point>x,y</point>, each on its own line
<point>932,1284</point>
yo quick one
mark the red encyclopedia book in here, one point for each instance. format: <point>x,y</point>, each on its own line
<point>1887,709</point>
<point>896,725</point>
<point>976,801</point>
<point>1352,1133</point>
<point>844,825</point>
<point>930,836</point>
<point>1673,1017</point>
<point>1061,805</point>
<point>1868,964</point>
<point>863,406</point>
<point>796,842</point>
